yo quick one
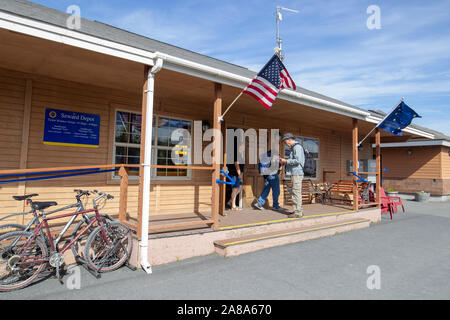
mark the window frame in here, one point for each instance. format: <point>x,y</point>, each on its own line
<point>154,147</point>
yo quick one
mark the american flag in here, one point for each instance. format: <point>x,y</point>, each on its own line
<point>269,81</point>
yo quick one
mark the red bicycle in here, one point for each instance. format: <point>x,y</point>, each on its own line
<point>24,255</point>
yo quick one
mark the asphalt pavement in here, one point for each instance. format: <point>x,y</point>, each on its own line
<point>404,258</point>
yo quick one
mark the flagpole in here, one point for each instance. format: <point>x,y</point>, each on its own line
<point>229,107</point>
<point>359,144</point>
<point>277,52</point>
<point>234,101</point>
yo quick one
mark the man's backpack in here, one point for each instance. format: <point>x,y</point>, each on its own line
<point>309,169</point>
<point>264,163</point>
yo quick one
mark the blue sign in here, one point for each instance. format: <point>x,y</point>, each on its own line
<point>68,128</point>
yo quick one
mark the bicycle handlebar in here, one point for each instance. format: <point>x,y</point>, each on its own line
<point>103,194</point>
<point>81,193</point>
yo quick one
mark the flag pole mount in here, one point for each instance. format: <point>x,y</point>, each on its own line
<point>279,18</point>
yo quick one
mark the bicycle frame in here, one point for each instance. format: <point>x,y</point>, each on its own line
<point>53,243</point>
<point>35,219</point>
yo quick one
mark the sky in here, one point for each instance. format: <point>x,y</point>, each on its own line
<point>328,45</point>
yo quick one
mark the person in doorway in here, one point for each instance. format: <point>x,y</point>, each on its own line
<point>269,165</point>
<point>236,172</point>
<point>294,169</point>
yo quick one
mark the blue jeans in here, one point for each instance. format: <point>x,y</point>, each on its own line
<point>270,182</point>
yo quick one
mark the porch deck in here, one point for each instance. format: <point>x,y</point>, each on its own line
<point>233,219</point>
<point>248,230</point>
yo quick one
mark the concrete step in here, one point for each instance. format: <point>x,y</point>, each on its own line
<point>250,243</point>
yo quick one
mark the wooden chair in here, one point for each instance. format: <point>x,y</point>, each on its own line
<point>307,192</point>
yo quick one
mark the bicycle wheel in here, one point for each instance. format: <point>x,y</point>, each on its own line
<point>17,272</point>
<point>105,256</point>
<point>78,246</point>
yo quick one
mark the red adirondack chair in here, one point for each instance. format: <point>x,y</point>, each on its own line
<point>395,201</point>
<point>386,206</point>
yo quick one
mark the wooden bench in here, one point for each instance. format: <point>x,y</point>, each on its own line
<point>341,190</point>
<point>307,192</point>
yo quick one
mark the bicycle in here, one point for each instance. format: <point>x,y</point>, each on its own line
<point>77,248</point>
<point>24,255</point>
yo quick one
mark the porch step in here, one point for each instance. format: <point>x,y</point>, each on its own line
<point>250,243</point>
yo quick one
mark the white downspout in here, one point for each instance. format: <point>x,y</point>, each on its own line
<point>147,162</point>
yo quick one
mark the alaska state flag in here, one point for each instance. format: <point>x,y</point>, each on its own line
<point>398,119</point>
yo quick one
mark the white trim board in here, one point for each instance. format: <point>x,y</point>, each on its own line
<point>444,143</point>
<point>73,38</point>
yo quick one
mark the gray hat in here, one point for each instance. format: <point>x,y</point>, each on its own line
<point>288,136</point>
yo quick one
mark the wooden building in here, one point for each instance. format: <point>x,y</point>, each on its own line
<point>417,165</point>
<point>103,71</point>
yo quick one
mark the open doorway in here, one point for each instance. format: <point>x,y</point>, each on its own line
<point>235,163</point>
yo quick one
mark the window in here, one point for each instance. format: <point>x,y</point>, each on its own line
<point>163,147</point>
<point>127,142</point>
<point>312,146</point>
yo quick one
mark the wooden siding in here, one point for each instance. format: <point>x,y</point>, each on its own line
<point>167,196</point>
<point>424,162</point>
<point>445,158</point>
<point>12,100</point>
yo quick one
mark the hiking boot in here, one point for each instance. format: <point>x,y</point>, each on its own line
<point>258,206</point>
<point>295,215</point>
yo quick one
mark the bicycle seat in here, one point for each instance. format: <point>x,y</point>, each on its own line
<point>21,198</point>
<point>43,205</point>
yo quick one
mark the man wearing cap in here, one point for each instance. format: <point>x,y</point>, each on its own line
<point>294,169</point>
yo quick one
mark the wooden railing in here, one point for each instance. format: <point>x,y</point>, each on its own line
<point>325,172</point>
<point>124,182</point>
<point>123,207</point>
<point>354,178</point>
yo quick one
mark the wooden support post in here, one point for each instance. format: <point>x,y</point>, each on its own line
<point>223,187</point>
<point>355,163</point>
<point>378,165</point>
<point>141,169</point>
<point>215,201</point>
<point>21,189</point>
<point>123,194</point>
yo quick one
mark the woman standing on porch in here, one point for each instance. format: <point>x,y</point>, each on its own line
<point>236,172</point>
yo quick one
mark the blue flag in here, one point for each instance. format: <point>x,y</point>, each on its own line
<point>398,119</point>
